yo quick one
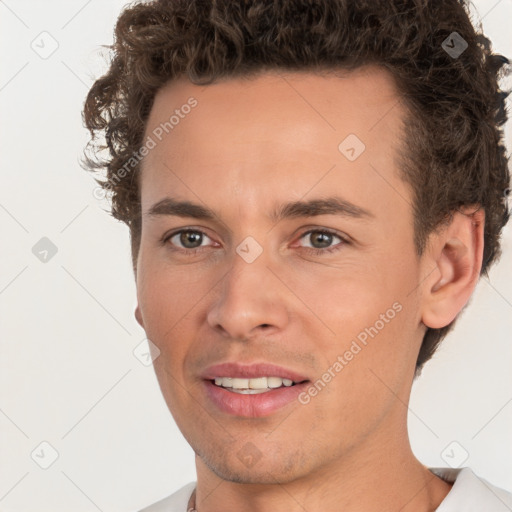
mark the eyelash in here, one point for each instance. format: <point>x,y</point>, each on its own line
<point>313,250</point>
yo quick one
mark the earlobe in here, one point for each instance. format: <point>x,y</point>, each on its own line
<point>138,316</point>
<point>456,255</point>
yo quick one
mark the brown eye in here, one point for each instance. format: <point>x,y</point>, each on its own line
<point>188,239</point>
<point>320,239</point>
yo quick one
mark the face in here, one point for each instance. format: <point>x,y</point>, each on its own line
<point>276,249</point>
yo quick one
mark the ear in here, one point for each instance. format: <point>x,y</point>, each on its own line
<point>453,262</point>
<point>138,316</point>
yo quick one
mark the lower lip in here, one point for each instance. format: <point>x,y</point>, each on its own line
<point>253,406</point>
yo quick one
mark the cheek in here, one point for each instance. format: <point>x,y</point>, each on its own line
<point>165,300</point>
<point>365,315</point>
<point>167,293</point>
<point>347,299</point>
<point>166,304</point>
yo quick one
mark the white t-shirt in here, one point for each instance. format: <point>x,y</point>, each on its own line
<point>468,494</point>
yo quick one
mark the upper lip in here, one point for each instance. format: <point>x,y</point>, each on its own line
<point>250,371</point>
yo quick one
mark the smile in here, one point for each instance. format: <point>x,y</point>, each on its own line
<point>251,390</point>
<point>252,386</point>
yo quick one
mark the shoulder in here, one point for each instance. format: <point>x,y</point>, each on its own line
<point>176,502</point>
<point>470,493</point>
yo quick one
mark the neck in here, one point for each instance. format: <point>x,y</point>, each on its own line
<point>381,476</point>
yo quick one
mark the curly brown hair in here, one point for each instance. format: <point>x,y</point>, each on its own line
<point>453,153</point>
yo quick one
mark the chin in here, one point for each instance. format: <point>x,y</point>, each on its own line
<point>266,468</point>
<point>261,476</point>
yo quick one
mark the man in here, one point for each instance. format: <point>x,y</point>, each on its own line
<point>313,190</point>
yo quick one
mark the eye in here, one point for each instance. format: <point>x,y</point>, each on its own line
<point>187,239</point>
<point>321,241</point>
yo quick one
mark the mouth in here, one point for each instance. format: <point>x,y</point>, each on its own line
<point>254,386</point>
<point>252,391</point>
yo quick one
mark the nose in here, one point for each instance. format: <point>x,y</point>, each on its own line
<point>250,301</point>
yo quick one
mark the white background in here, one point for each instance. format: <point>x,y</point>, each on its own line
<point>67,372</point>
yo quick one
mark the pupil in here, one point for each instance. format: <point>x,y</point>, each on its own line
<point>327,239</point>
<point>190,237</point>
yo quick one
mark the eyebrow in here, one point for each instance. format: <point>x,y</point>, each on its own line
<point>314,207</point>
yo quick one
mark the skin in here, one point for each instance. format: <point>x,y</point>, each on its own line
<point>249,145</point>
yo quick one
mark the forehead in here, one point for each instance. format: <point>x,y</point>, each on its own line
<point>340,100</point>
<point>283,130</point>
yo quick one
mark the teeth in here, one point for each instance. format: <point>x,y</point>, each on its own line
<point>259,383</point>
<point>249,391</point>
<point>240,383</point>
<point>252,386</point>
<point>274,382</point>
